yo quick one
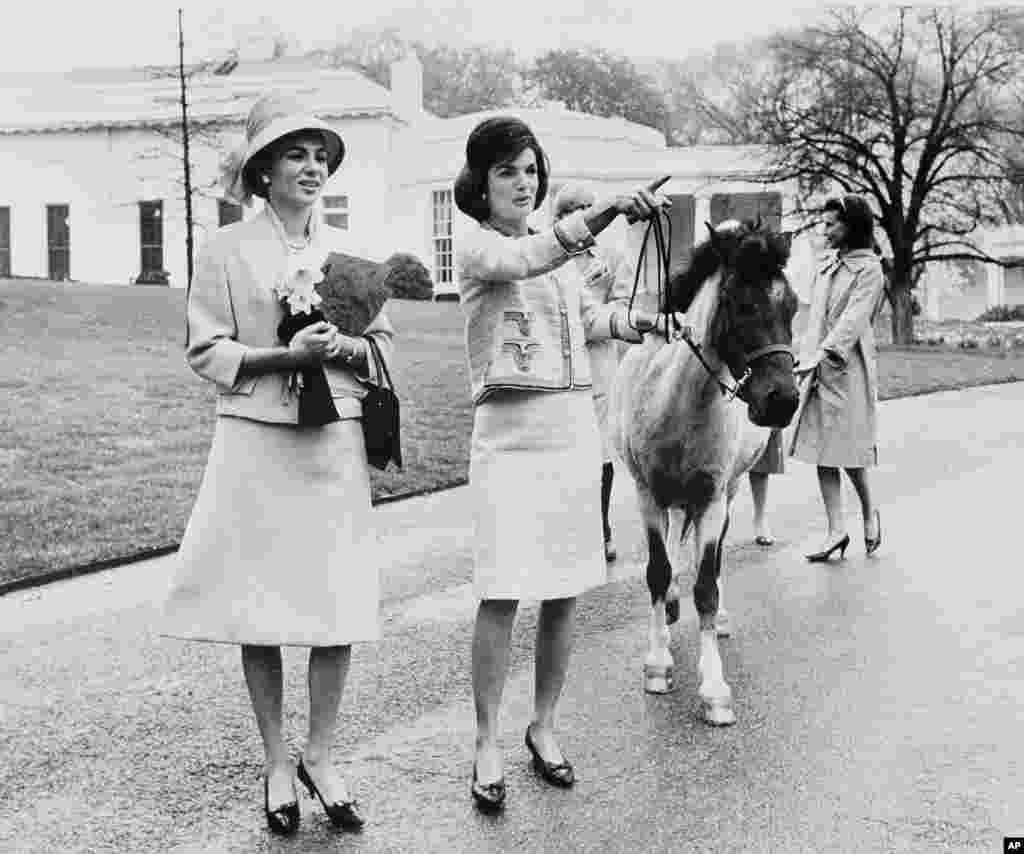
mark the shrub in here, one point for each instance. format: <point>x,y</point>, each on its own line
<point>408,278</point>
<point>1002,313</point>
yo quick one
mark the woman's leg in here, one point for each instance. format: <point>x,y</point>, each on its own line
<point>555,626</point>
<point>265,679</point>
<point>492,636</point>
<point>862,484</point>
<point>328,669</point>
<point>759,494</point>
<point>831,495</point>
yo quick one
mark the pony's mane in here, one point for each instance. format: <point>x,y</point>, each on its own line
<point>684,285</point>
<point>702,306</point>
<point>696,289</point>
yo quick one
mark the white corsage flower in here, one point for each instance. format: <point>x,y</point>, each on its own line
<point>302,274</point>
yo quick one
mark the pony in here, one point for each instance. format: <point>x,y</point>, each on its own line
<point>691,412</point>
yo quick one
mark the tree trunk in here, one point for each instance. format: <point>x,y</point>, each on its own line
<point>901,299</point>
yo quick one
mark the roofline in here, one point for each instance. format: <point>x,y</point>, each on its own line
<point>207,119</point>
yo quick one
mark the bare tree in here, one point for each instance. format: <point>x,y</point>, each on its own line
<point>920,111</point>
<point>717,96</point>
<point>183,136</point>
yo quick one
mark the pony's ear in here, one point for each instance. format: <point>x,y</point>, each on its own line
<point>713,237</point>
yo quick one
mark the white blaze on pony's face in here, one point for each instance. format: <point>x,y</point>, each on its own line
<point>512,191</point>
<point>752,329</point>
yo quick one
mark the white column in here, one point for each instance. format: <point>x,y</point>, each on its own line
<point>996,285</point>
<point>701,215</point>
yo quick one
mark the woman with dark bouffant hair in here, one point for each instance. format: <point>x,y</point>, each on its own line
<point>836,423</point>
<point>535,443</point>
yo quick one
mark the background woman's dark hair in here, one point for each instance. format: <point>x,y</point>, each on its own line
<point>263,160</point>
<point>495,140</point>
<point>855,213</point>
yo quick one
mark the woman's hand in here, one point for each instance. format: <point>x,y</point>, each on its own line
<point>312,344</point>
<point>346,346</point>
<point>640,204</point>
<point>646,321</point>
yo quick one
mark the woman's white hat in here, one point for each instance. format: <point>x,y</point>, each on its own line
<point>273,116</point>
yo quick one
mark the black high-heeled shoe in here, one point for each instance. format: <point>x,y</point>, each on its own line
<point>826,554</point>
<point>871,544</point>
<point>489,797</point>
<point>284,820</point>
<point>556,773</point>
<point>343,814</point>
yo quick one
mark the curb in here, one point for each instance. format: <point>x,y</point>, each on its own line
<point>32,581</point>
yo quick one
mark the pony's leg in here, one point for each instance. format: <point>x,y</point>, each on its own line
<point>677,538</point>
<point>723,619</point>
<point>658,663</point>
<point>715,694</point>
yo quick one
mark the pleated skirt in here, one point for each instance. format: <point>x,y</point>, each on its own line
<point>535,472</point>
<point>279,549</point>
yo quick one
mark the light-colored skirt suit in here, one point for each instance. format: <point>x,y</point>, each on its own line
<point>537,501</point>
<point>279,549</point>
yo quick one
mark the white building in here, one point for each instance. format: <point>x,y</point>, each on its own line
<point>91,186</point>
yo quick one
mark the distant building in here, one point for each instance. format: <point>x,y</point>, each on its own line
<point>91,187</point>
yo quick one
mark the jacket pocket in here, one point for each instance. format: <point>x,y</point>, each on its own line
<point>244,387</point>
<point>832,383</point>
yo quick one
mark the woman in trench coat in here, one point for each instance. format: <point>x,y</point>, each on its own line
<point>836,424</point>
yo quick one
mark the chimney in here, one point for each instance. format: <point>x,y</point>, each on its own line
<point>407,85</point>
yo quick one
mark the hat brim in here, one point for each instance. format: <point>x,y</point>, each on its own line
<point>292,124</point>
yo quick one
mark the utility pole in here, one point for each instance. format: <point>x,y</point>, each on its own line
<point>185,151</point>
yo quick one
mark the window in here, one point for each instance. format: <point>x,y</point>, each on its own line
<point>151,237</point>
<point>58,242</point>
<point>5,241</point>
<point>681,216</point>
<point>442,236</point>
<point>227,212</point>
<point>336,211</point>
<point>741,206</point>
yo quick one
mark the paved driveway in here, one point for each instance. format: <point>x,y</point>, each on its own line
<point>879,700</point>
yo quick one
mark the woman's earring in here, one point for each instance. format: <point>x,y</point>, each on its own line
<point>266,179</point>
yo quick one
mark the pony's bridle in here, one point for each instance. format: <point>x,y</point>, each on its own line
<point>679,332</point>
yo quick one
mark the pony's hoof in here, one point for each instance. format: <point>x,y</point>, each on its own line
<point>658,680</point>
<point>723,624</point>
<point>717,712</point>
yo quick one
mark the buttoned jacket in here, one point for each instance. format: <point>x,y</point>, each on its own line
<point>527,318</point>
<point>232,307</point>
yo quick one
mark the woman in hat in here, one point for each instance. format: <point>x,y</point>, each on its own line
<point>279,549</point>
<point>836,425</point>
<point>535,445</point>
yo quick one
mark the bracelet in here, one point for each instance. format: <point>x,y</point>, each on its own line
<point>357,351</point>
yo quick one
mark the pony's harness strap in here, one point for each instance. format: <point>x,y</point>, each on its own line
<point>663,251</point>
<point>730,391</point>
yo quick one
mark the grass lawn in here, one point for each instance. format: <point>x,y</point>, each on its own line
<point>105,430</point>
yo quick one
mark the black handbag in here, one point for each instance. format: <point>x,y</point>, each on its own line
<point>381,419</point>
